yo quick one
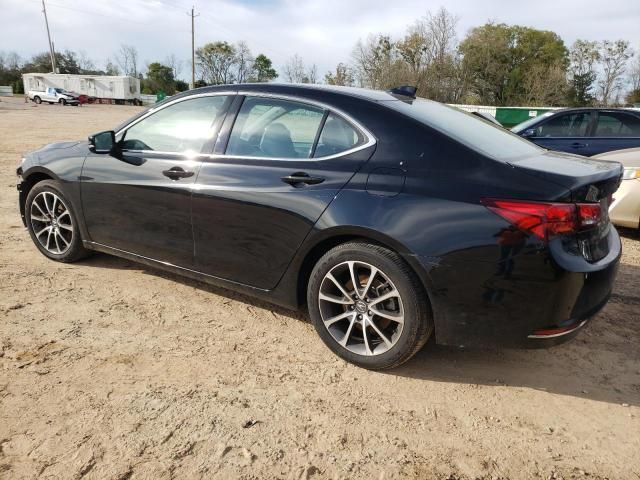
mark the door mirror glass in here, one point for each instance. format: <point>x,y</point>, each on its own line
<point>103,142</point>
<point>529,132</point>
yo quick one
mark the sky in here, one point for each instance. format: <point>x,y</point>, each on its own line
<point>323,32</point>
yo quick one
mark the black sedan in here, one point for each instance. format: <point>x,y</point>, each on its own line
<point>392,218</point>
<point>584,131</point>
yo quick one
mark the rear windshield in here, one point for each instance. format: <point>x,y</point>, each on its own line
<point>480,135</point>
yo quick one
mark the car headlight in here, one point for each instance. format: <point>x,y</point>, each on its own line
<point>631,173</point>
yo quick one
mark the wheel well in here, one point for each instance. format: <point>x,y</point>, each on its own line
<point>32,179</point>
<point>323,247</point>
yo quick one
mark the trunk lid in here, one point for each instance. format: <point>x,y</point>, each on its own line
<point>589,181</point>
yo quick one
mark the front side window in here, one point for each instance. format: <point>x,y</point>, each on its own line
<point>183,127</point>
<point>274,128</point>
<point>613,124</point>
<point>337,136</point>
<point>568,125</point>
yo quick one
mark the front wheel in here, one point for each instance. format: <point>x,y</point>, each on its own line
<point>63,102</point>
<point>52,223</point>
<point>368,306</point>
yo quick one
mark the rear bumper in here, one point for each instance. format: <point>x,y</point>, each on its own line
<point>513,302</point>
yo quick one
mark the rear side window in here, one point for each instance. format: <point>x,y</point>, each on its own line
<point>179,128</point>
<point>615,124</point>
<point>467,129</point>
<point>337,136</point>
<point>567,125</point>
<point>274,128</point>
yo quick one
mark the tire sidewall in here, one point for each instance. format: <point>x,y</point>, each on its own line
<point>38,100</point>
<point>76,249</point>
<point>413,310</point>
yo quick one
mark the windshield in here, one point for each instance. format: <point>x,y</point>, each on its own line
<point>521,127</point>
<point>481,136</point>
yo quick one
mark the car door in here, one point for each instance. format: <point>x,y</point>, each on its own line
<point>276,169</point>
<point>141,201</point>
<point>564,132</point>
<point>614,130</point>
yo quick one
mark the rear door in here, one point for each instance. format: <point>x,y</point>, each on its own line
<point>276,169</point>
<point>614,130</point>
<point>141,202</point>
<point>565,132</point>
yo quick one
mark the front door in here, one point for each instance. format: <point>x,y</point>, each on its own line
<point>254,203</point>
<point>140,203</point>
<point>565,132</point>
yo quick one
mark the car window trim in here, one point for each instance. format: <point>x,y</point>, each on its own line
<point>370,139</point>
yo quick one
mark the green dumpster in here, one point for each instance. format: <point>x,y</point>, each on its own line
<point>512,116</point>
<point>160,96</point>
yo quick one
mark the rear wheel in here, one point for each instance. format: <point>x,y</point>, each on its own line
<point>52,223</point>
<point>368,306</point>
<point>37,99</point>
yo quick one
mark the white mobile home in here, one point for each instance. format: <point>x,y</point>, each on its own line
<point>106,89</point>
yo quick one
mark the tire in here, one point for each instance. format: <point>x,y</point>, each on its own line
<point>63,102</point>
<point>37,99</point>
<point>63,229</point>
<point>373,340</point>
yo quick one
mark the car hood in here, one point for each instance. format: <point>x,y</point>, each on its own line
<point>629,157</point>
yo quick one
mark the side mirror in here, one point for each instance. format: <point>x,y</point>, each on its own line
<point>103,142</point>
<point>529,132</point>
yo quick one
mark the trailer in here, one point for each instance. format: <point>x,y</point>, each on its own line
<point>99,88</point>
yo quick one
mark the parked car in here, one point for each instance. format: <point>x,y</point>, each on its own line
<point>392,218</point>
<point>584,131</point>
<point>625,208</point>
<point>53,95</point>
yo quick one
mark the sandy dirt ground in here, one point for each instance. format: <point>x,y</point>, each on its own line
<point>111,370</point>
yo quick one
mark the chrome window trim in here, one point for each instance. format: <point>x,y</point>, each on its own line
<point>369,137</point>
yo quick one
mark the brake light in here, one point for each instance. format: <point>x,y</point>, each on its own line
<point>546,220</point>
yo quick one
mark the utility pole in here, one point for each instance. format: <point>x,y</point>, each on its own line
<point>193,46</point>
<point>51,51</point>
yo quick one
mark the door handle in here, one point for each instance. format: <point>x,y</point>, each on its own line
<point>298,178</point>
<point>176,173</point>
<point>578,145</point>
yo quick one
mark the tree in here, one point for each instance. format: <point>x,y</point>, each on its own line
<point>263,70</point>
<point>583,57</point>
<point>501,58</point>
<point>216,62</point>
<point>160,78</point>
<point>378,64</point>
<point>342,76</point>
<point>244,62</point>
<point>66,62</point>
<point>175,64</point>
<point>295,71</point>
<point>613,59</point>
<point>127,59</point>
<point>111,68</point>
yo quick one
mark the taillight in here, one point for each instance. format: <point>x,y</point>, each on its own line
<point>546,220</point>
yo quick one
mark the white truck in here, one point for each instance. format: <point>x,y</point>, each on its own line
<point>53,95</point>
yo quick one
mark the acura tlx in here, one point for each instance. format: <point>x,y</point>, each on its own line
<point>391,218</point>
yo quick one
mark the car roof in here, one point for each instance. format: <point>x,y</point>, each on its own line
<point>302,89</point>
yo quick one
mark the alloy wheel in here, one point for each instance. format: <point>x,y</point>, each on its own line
<point>361,308</point>
<point>51,223</point>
